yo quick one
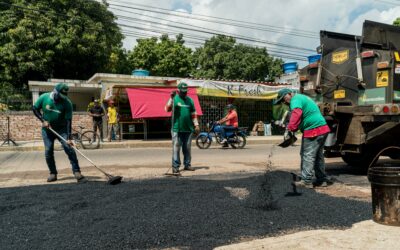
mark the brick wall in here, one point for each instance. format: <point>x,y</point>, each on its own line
<point>24,126</point>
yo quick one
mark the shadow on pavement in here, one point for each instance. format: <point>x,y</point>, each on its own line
<point>188,213</point>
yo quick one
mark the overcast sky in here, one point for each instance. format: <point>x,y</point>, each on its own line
<point>287,16</point>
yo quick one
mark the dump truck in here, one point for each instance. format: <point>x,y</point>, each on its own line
<point>357,87</point>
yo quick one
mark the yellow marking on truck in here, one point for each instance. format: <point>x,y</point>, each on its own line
<point>339,94</point>
<point>382,78</point>
<point>397,56</point>
<point>340,57</point>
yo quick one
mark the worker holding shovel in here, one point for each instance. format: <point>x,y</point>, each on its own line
<point>306,117</point>
<point>57,115</point>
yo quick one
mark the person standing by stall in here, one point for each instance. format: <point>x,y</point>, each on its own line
<point>97,113</point>
<point>113,120</point>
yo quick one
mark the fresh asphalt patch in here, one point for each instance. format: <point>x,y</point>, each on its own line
<point>187,213</point>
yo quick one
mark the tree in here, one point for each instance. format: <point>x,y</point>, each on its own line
<point>118,62</point>
<point>162,57</point>
<point>397,22</point>
<point>55,38</point>
<point>222,58</point>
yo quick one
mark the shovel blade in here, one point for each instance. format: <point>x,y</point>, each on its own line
<point>114,180</point>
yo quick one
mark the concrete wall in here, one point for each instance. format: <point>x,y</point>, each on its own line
<point>24,126</point>
<point>82,100</point>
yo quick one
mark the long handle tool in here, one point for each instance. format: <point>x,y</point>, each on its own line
<point>112,180</point>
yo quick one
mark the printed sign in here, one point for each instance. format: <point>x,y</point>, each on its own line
<point>382,78</point>
<point>234,89</point>
<point>339,94</point>
<point>340,57</point>
<point>397,56</point>
<point>372,96</point>
<point>397,69</point>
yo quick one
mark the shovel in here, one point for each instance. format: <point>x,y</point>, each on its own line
<point>111,180</point>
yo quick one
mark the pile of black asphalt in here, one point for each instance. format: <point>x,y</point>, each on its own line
<point>186,213</point>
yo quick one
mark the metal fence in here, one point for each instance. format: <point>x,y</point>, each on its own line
<point>249,111</point>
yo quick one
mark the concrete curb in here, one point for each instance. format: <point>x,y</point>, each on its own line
<point>137,144</point>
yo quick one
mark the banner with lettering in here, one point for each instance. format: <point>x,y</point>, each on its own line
<point>234,89</point>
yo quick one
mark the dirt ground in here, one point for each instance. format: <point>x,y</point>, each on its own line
<point>240,205</point>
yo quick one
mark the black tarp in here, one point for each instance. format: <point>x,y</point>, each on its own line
<point>339,74</point>
<point>381,36</point>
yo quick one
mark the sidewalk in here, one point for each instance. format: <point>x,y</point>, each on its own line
<point>37,145</point>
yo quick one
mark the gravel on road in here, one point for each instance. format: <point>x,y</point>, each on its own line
<point>195,212</point>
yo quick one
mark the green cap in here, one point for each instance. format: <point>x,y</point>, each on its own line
<point>281,94</point>
<point>62,88</point>
<point>182,87</point>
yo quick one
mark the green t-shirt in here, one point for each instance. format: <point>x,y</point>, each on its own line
<point>54,113</point>
<point>311,117</point>
<point>182,114</point>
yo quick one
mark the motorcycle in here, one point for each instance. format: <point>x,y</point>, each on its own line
<point>235,138</point>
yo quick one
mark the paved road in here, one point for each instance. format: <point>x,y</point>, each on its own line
<point>157,160</point>
<point>230,198</point>
<point>22,161</point>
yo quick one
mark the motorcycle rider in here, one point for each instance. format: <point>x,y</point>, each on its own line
<point>231,123</point>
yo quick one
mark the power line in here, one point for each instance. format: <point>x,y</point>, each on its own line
<point>202,39</point>
<point>234,22</point>
<point>58,14</point>
<point>214,32</point>
<point>195,43</point>
<point>185,35</point>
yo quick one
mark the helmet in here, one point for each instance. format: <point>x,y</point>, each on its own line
<point>230,106</point>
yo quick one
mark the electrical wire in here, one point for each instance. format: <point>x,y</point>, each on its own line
<point>195,43</point>
<point>159,32</point>
<point>280,54</point>
<point>214,32</point>
<point>233,22</point>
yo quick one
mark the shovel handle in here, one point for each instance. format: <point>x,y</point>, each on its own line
<point>73,146</point>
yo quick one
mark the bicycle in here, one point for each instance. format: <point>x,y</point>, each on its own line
<point>88,139</point>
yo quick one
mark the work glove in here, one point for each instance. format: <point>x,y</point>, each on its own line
<point>45,124</point>
<point>197,130</point>
<point>173,93</point>
<point>288,134</point>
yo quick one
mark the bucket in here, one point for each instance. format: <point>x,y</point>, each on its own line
<point>140,72</point>
<point>289,67</point>
<point>314,58</point>
<point>385,187</point>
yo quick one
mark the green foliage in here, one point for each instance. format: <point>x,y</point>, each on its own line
<point>222,58</point>
<point>56,39</point>
<point>118,62</point>
<point>397,22</point>
<point>12,99</point>
<point>162,57</point>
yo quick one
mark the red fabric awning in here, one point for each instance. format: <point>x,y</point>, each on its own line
<point>150,102</point>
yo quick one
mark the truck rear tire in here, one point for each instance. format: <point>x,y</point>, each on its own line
<point>360,161</point>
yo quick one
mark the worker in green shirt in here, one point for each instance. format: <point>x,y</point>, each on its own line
<point>54,109</point>
<point>184,123</point>
<point>306,117</point>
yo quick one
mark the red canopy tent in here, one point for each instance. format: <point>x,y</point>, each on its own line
<point>150,102</point>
